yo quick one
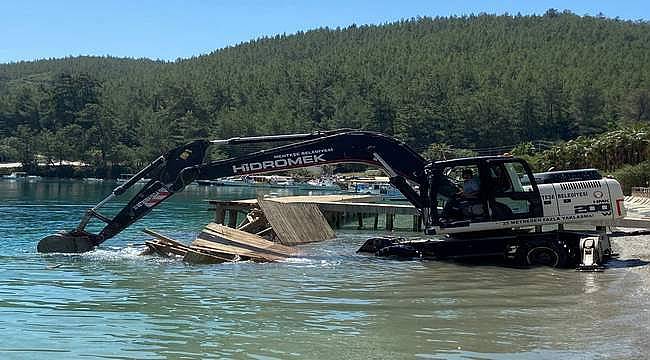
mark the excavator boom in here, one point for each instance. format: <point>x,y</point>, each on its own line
<point>174,170</point>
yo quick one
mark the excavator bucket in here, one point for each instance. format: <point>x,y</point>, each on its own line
<point>70,242</point>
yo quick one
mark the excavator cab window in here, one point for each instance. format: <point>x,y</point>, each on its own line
<point>459,198</point>
<point>474,190</point>
<point>513,193</point>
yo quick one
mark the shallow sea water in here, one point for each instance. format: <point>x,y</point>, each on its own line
<point>331,303</point>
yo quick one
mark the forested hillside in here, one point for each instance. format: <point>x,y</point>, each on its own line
<point>472,81</point>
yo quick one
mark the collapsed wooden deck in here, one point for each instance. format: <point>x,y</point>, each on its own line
<point>266,233</point>
<point>217,244</point>
<point>362,211</point>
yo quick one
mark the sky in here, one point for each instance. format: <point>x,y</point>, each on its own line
<point>172,29</point>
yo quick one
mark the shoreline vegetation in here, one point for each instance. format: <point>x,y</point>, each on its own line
<point>447,86</point>
<point>623,154</point>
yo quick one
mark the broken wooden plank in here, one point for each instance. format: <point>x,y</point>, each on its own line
<point>195,256</point>
<point>218,243</point>
<point>243,253</point>
<point>254,222</point>
<point>167,246</point>
<point>165,249</point>
<point>268,231</point>
<point>296,223</point>
<point>247,238</point>
<point>223,238</point>
<point>165,239</point>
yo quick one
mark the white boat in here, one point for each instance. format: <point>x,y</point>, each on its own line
<point>263,181</point>
<point>389,192</point>
<point>125,177</point>
<point>379,185</point>
<point>16,175</point>
<point>320,184</point>
<point>282,181</point>
<point>22,176</point>
<point>208,182</point>
<point>236,181</point>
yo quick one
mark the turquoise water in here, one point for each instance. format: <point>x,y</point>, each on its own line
<point>329,304</point>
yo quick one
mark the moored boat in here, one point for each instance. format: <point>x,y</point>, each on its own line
<point>320,184</point>
<point>125,177</point>
<point>379,185</point>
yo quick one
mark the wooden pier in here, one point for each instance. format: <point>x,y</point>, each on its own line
<point>360,211</point>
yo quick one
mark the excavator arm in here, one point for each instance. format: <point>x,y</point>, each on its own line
<point>174,170</point>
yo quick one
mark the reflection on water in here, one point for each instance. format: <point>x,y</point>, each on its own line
<point>331,303</point>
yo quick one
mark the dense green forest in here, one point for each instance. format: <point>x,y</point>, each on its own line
<point>465,82</point>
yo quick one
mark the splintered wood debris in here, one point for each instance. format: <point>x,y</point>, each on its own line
<point>217,244</point>
<point>265,234</point>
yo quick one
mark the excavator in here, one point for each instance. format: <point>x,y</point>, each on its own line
<point>477,206</point>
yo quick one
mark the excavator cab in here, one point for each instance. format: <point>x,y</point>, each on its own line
<point>468,194</point>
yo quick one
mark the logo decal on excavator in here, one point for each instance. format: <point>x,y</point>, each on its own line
<point>285,161</point>
<point>603,208</point>
<point>153,199</point>
<point>547,219</point>
<point>185,154</point>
